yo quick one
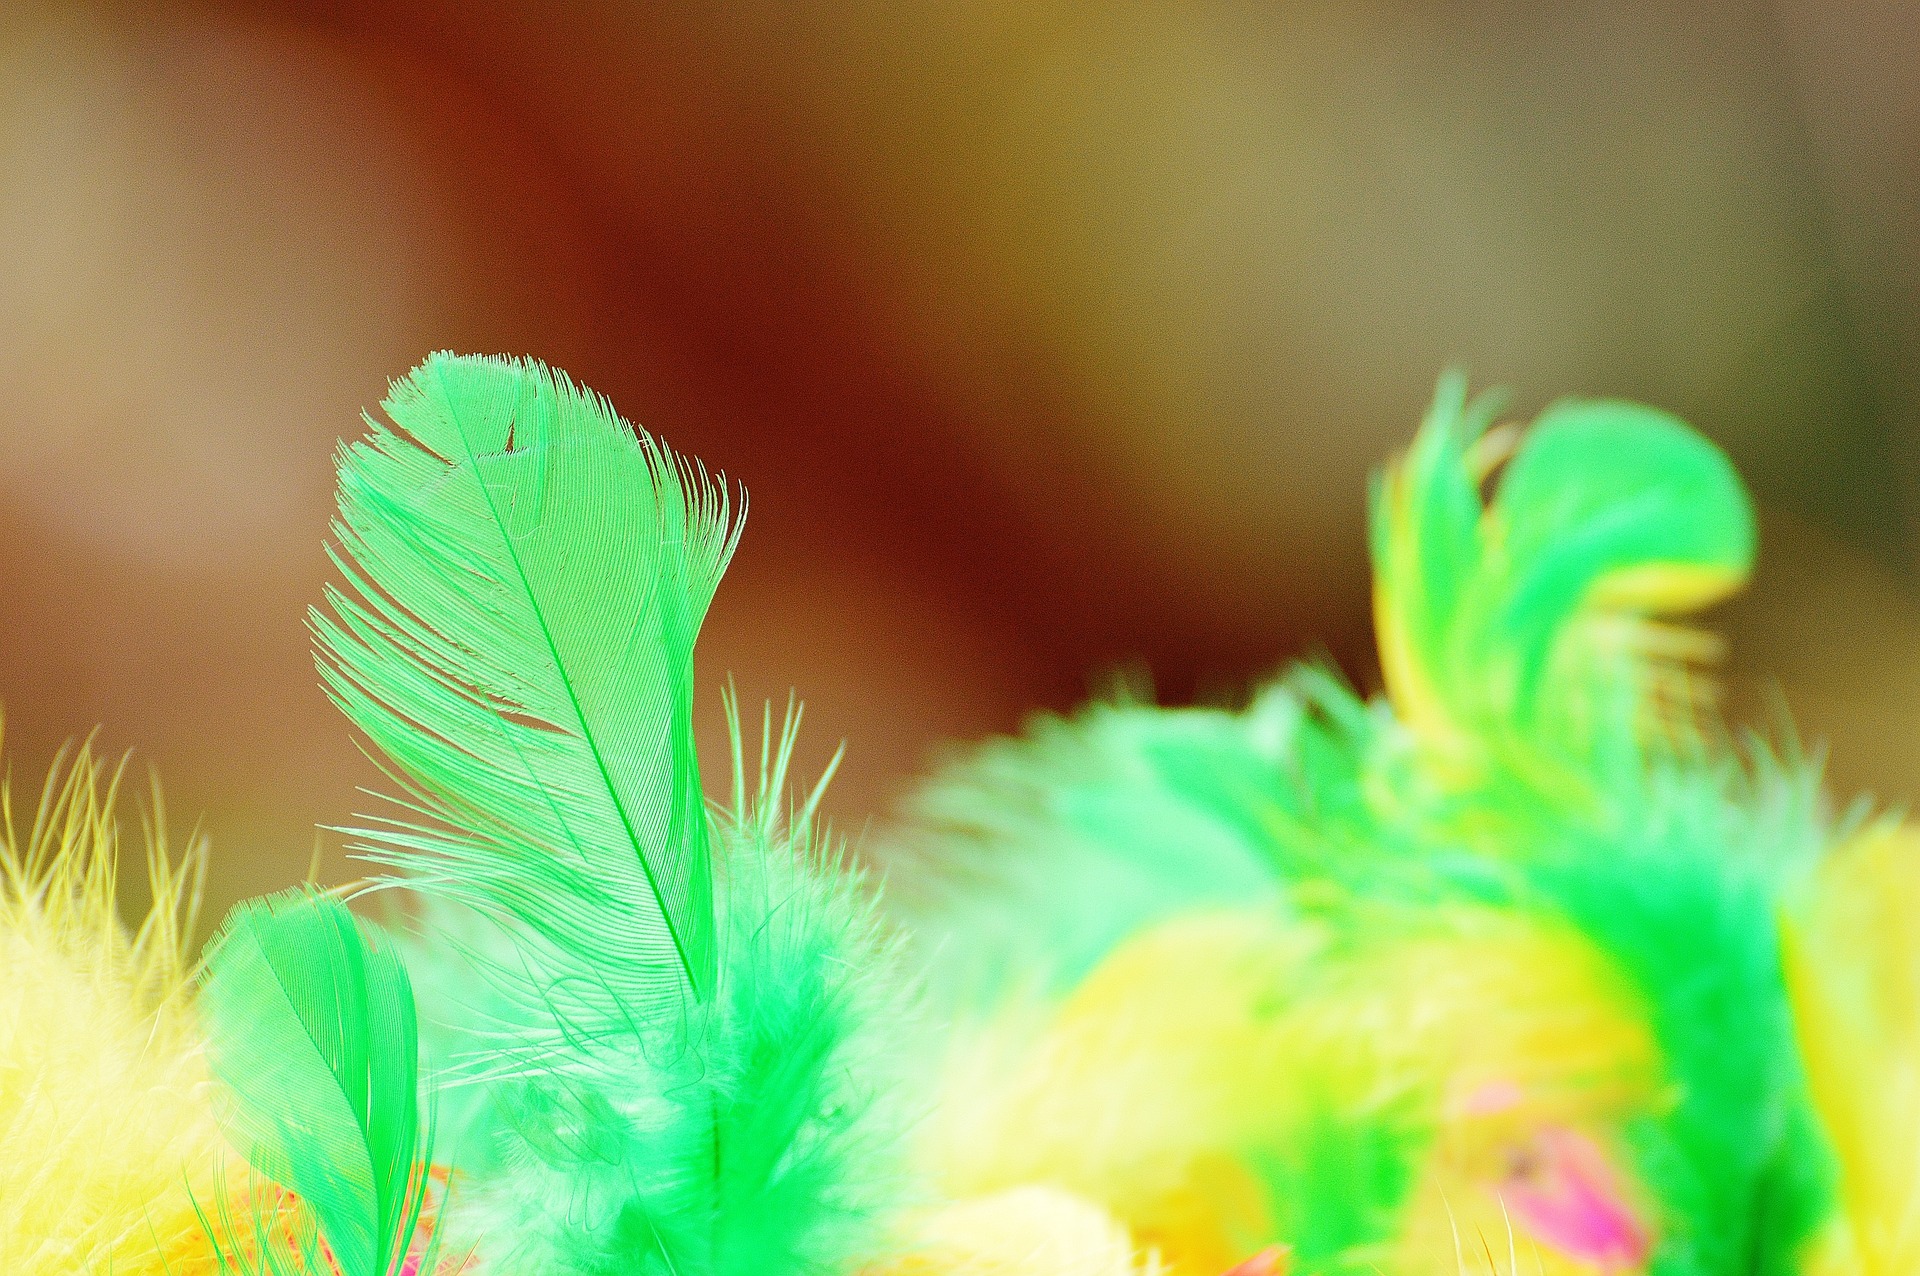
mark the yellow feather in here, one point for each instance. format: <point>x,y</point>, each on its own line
<point>1197,1041</point>
<point>1473,1003</point>
<point>104,1116</point>
<point>1852,958</point>
<point>1475,997</point>
<point>1417,700</point>
<point>1026,1231</point>
<point>1118,1096</point>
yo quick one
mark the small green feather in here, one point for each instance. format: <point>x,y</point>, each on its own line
<point>312,1041</point>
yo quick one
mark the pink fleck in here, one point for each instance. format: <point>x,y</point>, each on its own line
<point>1490,1099</point>
<point>1271,1261</point>
<point>1567,1194</point>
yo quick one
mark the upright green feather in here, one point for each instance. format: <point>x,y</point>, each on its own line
<point>525,580</point>
<point>668,1041</point>
<point>312,1042</point>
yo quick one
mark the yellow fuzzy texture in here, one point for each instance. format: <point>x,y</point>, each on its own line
<point>1852,958</point>
<point>1480,998</point>
<point>1200,1041</point>
<point>1126,1093</point>
<point>104,1114</point>
<point>1027,1231</point>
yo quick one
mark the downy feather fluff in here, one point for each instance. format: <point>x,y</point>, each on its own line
<point>1524,962</point>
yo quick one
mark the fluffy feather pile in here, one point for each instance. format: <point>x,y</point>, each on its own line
<point>106,1128</point>
<point>1524,964</point>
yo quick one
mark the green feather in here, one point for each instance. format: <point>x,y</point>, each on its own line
<point>1515,634</point>
<point>664,1040</point>
<point>1336,1188</point>
<point>525,580</point>
<point>1615,502</point>
<point>312,1041</point>
<point>1029,860</point>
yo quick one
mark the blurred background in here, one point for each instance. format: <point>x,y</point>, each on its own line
<point>1050,339</point>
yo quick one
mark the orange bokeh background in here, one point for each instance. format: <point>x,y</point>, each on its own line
<point>1050,340</point>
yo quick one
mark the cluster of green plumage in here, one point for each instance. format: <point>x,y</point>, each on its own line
<point>1541,755</point>
<point>666,1037</point>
